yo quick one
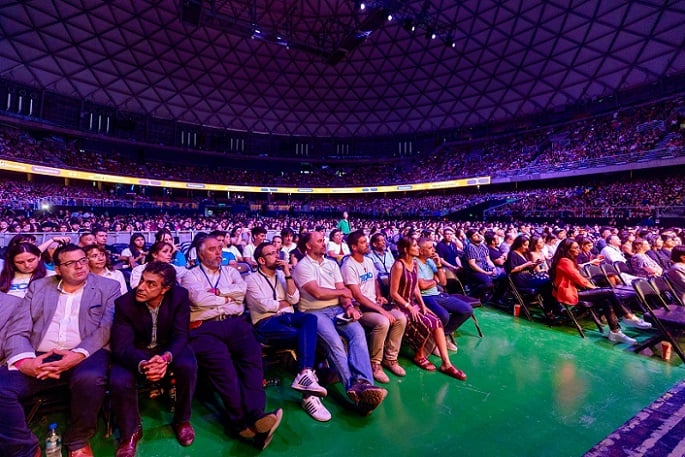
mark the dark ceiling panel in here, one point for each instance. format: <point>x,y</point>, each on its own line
<point>509,58</point>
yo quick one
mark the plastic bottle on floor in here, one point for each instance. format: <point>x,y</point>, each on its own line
<point>53,442</point>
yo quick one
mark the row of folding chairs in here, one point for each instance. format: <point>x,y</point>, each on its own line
<point>665,309</point>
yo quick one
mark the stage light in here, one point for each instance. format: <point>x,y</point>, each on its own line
<point>389,17</point>
<point>362,6</point>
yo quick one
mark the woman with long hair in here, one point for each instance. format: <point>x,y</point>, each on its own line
<point>23,265</point>
<point>98,263</point>
<point>523,274</point>
<point>536,253</point>
<point>569,286</point>
<point>161,251</point>
<point>134,254</point>
<point>421,322</point>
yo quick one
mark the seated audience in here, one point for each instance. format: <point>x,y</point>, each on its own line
<point>323,294</point>
<point>676,273</point>
<point>41,354</point>
<point>258,237</point>
<point>384,324</point>
<point>479,269</point>
<point>160,251</point>
<point>149,341</point>
<point>421,323</point>
<point>135,253</point>
<point>23,265</point>
<point>570,286</point>
<point>336,248</point>
<point>98,263</point>
<point>9,306</point>
<point>451,310</point>
<point>524,275</point>
<point>225,345</point>
<point>178,258</point>
<point>612,253</point>
<point>271,297</point>
<point>643,265</point>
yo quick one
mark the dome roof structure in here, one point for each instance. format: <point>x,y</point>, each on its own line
<point>327,68</point>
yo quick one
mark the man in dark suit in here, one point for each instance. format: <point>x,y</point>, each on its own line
<point>149,339</point>
<point>59,338</point>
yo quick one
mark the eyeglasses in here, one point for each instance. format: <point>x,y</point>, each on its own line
<point>268,253</point>
<point>71,263</point>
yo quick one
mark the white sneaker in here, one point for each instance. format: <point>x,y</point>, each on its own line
<point>637,323</point>
<point>316,409</point>
<point>620,337</point>
<point>306,381</point>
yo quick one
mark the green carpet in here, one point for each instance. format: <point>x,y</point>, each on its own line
<point>531,391</point>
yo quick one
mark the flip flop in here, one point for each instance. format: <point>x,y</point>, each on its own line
<point>453,372</point>
<point>424,364</point>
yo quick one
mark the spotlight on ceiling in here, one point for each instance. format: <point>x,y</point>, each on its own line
<point>389,17</point>
<point>449,42</point>
<point>362,6</point>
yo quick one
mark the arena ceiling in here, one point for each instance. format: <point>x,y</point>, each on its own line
<point>325,68</point>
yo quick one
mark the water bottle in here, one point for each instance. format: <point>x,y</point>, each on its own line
<point>271,382</point>
<point>53,442</point>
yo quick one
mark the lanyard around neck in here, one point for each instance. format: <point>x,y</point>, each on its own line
<point>216,284</point>
<point>272,286</point>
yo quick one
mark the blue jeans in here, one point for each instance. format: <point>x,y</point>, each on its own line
<point>452,311</point>
<point>288,328</point>
<point>86,381</point>
<point>351,368</point>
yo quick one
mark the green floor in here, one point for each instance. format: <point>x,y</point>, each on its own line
<point>531,391</point>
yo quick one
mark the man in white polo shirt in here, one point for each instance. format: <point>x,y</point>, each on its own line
<point>323,293</point>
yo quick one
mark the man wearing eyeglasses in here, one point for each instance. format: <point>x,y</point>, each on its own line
<point>60,339</point>
<point>271,295</point>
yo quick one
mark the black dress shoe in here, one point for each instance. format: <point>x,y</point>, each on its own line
<point>185,434</point>
<point>127,448</point>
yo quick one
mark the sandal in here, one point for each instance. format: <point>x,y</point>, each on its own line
<point>424,364</point>
<point>453,372</point>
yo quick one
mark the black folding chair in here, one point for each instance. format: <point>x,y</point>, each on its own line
<point>600,277</point>
<point>622,267</point>
<point>525,297</point>
<point>473,301</point>
<point>663,285</point>
<point>669,320</point>
<point>597,276</point>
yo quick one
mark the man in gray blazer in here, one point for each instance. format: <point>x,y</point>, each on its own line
<point>60,337</point>
<point>9,305</point>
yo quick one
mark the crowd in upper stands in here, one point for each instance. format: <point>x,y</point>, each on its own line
<point>627,135</point>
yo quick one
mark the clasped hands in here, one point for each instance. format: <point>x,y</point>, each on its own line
<point>155,368</point>
<point>37,367</point>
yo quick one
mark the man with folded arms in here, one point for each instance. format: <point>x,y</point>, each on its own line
<point>271,295</point>
<point>225,345</point>
<point>323,293</point>
<point>58,339</point>
<point>150,339</point>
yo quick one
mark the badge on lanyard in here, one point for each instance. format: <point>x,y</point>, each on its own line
<point>215,291</point>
